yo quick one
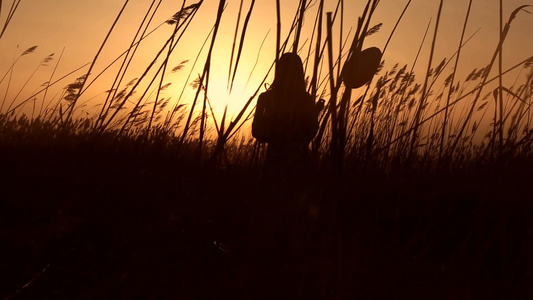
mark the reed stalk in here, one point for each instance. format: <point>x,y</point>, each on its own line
<point>354,119</point>
<point>423,97</point>
<point>334,145</point>
<point>10,72</point>
<point>42,63</point>
<point>45,88</point>
<point>163,72</point>
<point>203,77</point>
<point>50,80</point>
<point>186,82</point>
<point>357,43</point>
<point>241,43</point>
<point>341,32</point>
<point>500,84</point>
<point>187,14</point>
<point>503,36</point>
<point>73,104</point>
<point>317,50</point>
<point>278,31</point>
<point>135,45</point>
<point>234,41</point>
<point>452,81</point>
<point>303,4</point>
<point>318,139</point>
<point>121,73</point>
<point>474,91</point>
<point>10,14</point>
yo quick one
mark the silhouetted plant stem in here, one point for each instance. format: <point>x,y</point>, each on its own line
<point>10,14</point>
<point>185,23</point>
<point>416,122</point>
<point>207,69</point>
<point>512,127</point>
<point>411,73</point>
<point>341,32</point>
<point>165,64</point>
<point>317,51</point>
<point>234,42</point>
<point>318,139</point>
<point>172,44</point>
<point>10,72</point>
<point>486,75</point>
<point>232,127</point>
<point>241,43</point>
<point>257,59</point>
<point>459,99</point>
<point>322,49</point>
<point>170,118</point>
<point>344,110</point>
<point>354,119</point>
<point>278,32</point>
<point>357,43</point>
<point>396,25</point>
<point>334,145</point>
<point>500,83</point>
<point>41,63</point>
<point>303,4</point>
<point>355,49</point>
<point>452,81</point>
<point>43,89</point>
<point>127,51</point>
<point>358,34</point>
<point>306,60</point>
<point>134,112</point>
<point>370,139</point>
<point>50,80</point>
<point>522,115</point>
<point>73,104</point>
<point>203,76</point>
<point>125,64</point>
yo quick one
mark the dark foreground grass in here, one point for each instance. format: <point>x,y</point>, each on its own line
<point>85,218</point>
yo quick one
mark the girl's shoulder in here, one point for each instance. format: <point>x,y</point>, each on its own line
<point>271,96</point>
<point>266,96</point>
<point>307,98</point>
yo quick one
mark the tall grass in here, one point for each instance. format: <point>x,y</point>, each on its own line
<point>80,90</point>
<point>12,10</point>
<point>373,124</point>
<point>423,98</point>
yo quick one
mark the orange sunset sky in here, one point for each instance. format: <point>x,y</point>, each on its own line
<point>79,28</point>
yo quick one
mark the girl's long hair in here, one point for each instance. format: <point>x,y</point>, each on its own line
<point>290,77</point>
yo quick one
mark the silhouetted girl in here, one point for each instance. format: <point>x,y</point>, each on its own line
<point>286,117</point>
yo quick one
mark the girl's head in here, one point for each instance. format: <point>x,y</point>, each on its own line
<point>289,73</point>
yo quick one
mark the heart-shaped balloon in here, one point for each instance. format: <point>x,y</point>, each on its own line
<point>361,67</point>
